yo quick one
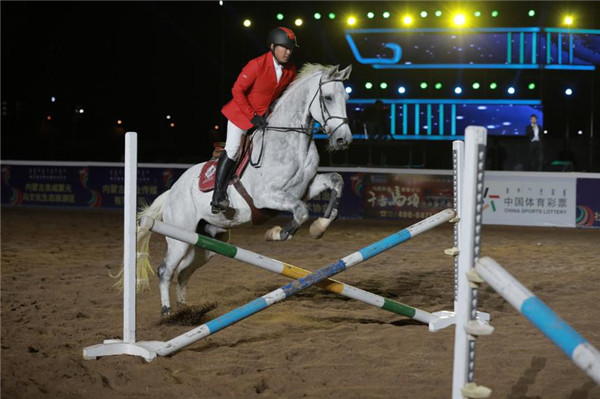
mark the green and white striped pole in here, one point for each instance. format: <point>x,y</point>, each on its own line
<point>291,271</point>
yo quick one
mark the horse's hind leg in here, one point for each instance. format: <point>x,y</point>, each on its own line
<point>176,252</point>
<point>188,265</point>
<point>325,181</point>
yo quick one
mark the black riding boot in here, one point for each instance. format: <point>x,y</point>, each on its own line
<point>220,203</point>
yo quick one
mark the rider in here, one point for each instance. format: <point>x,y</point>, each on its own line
<point>260,83</point>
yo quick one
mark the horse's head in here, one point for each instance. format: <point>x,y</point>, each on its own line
<point>329,107</point>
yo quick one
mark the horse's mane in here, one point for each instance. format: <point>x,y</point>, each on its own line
<point>307,71</point>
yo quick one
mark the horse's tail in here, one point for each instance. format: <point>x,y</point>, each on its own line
<point>143,266</point>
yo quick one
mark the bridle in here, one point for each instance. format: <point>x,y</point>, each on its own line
<point>325,116</point>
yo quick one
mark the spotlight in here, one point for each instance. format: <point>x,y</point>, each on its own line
<point>423,85</point>
<point>495,13</point>
<point>348,89</point>
<point>220,2</point>
<point>531,86</point>
<point>423,14</point>
<point>370,15</point>
<point>438,86</point>
<point>317,15</point>
<point>493,85</point>
<point>580,132</point>
<point>48,117</point>
<point>476,85</point>
<point>477,14</point>
<point>568,20</point>
<point>81,109</point>
<point>168,117</point>
<point>247,23</point>
<point>351,21</point>
<point>568,92</point>
<point>368,85</point>
<point>401,90</point>
<point>280,16</point>
<point>545,132</point>
<point>331,15</point>
<point>459,19</point>
<point>383,85</point>
<point>531,13</point>
<point>53,99</point>
<point>119,122</point>
<point>386,14</point>
<point>407,20</point>
<point>438,13</point>
<point>298,22</point>
<point>458,90</point>
<point>511,90</point>
<point>172,124</point>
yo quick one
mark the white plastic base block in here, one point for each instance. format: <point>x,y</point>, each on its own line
<point>111,347</point>
<point>446,318</point>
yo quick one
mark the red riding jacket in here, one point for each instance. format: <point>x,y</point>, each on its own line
<point>255,89</point>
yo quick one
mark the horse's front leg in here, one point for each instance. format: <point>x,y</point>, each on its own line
<point>335,184</point>
<point>282,201</point>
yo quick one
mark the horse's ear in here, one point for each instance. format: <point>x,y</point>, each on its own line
<point>333,71</point>
<point>345,73</point>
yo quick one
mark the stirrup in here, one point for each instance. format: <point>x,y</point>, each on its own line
<point>219,207</point>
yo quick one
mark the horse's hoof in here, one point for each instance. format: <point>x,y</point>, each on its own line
<point>318,227</point>
<point>165,311</point>
<point>273,234</point>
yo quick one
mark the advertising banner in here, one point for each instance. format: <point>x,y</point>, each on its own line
<point>528,200</point>
<point>588,203</point>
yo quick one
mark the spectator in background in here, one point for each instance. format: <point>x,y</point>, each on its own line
<point>376,121</point>
<point>534,136</point>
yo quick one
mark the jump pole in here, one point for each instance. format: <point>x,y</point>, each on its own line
<point>468,328</point>
<point>577,348</point>
<point>296,286</point>
<point>127,345</point>
<point>288,270</point>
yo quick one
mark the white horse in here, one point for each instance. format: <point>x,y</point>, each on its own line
<point>282,176</point>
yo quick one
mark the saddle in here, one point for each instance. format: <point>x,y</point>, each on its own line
<point>206,179</point>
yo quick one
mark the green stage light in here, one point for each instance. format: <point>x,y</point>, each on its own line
<point>368,85</point>
<point>317,15</point>
<point>531,13</point>
<point>279,16</point>
<point>476,85</point>
<point>423,85</point>
<point>423,14</point>
<point>531,86</point>
<point>438,86</point>
<point>331,15</point>
<point>477,14</point>
<point>493,85</point>
<point>495,13</point>
<point>386,15</point>
<point>438,13</point>
<point>383,85</point>
<point>370,15</point>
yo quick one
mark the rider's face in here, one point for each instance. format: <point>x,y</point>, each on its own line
<point>282,54</point>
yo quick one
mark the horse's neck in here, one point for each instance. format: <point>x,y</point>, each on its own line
<point>294,112</point>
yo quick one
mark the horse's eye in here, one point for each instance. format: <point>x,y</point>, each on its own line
<point>328,98</point>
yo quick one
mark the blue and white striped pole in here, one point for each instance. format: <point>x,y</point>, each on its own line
<point>292,288</point>
<point>580,351</point>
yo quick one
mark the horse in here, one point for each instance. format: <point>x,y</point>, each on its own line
<point>282,176</point>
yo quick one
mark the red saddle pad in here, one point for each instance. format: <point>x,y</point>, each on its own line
<point>206,180</point>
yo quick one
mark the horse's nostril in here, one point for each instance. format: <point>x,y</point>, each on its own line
<point>341,141</point>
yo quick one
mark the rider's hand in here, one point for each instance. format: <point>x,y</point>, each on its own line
<point>258,121</point>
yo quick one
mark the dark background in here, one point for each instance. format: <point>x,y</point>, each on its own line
<point>141,61</point>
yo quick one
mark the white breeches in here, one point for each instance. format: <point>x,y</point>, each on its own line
<point>234,138</point>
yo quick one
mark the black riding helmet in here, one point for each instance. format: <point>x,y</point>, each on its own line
<point>283,37</point>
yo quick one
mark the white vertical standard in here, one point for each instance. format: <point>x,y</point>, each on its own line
<point>127,346</point>
<point>129,238</point>
<point>467,326</point>
<point>445,318</point>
